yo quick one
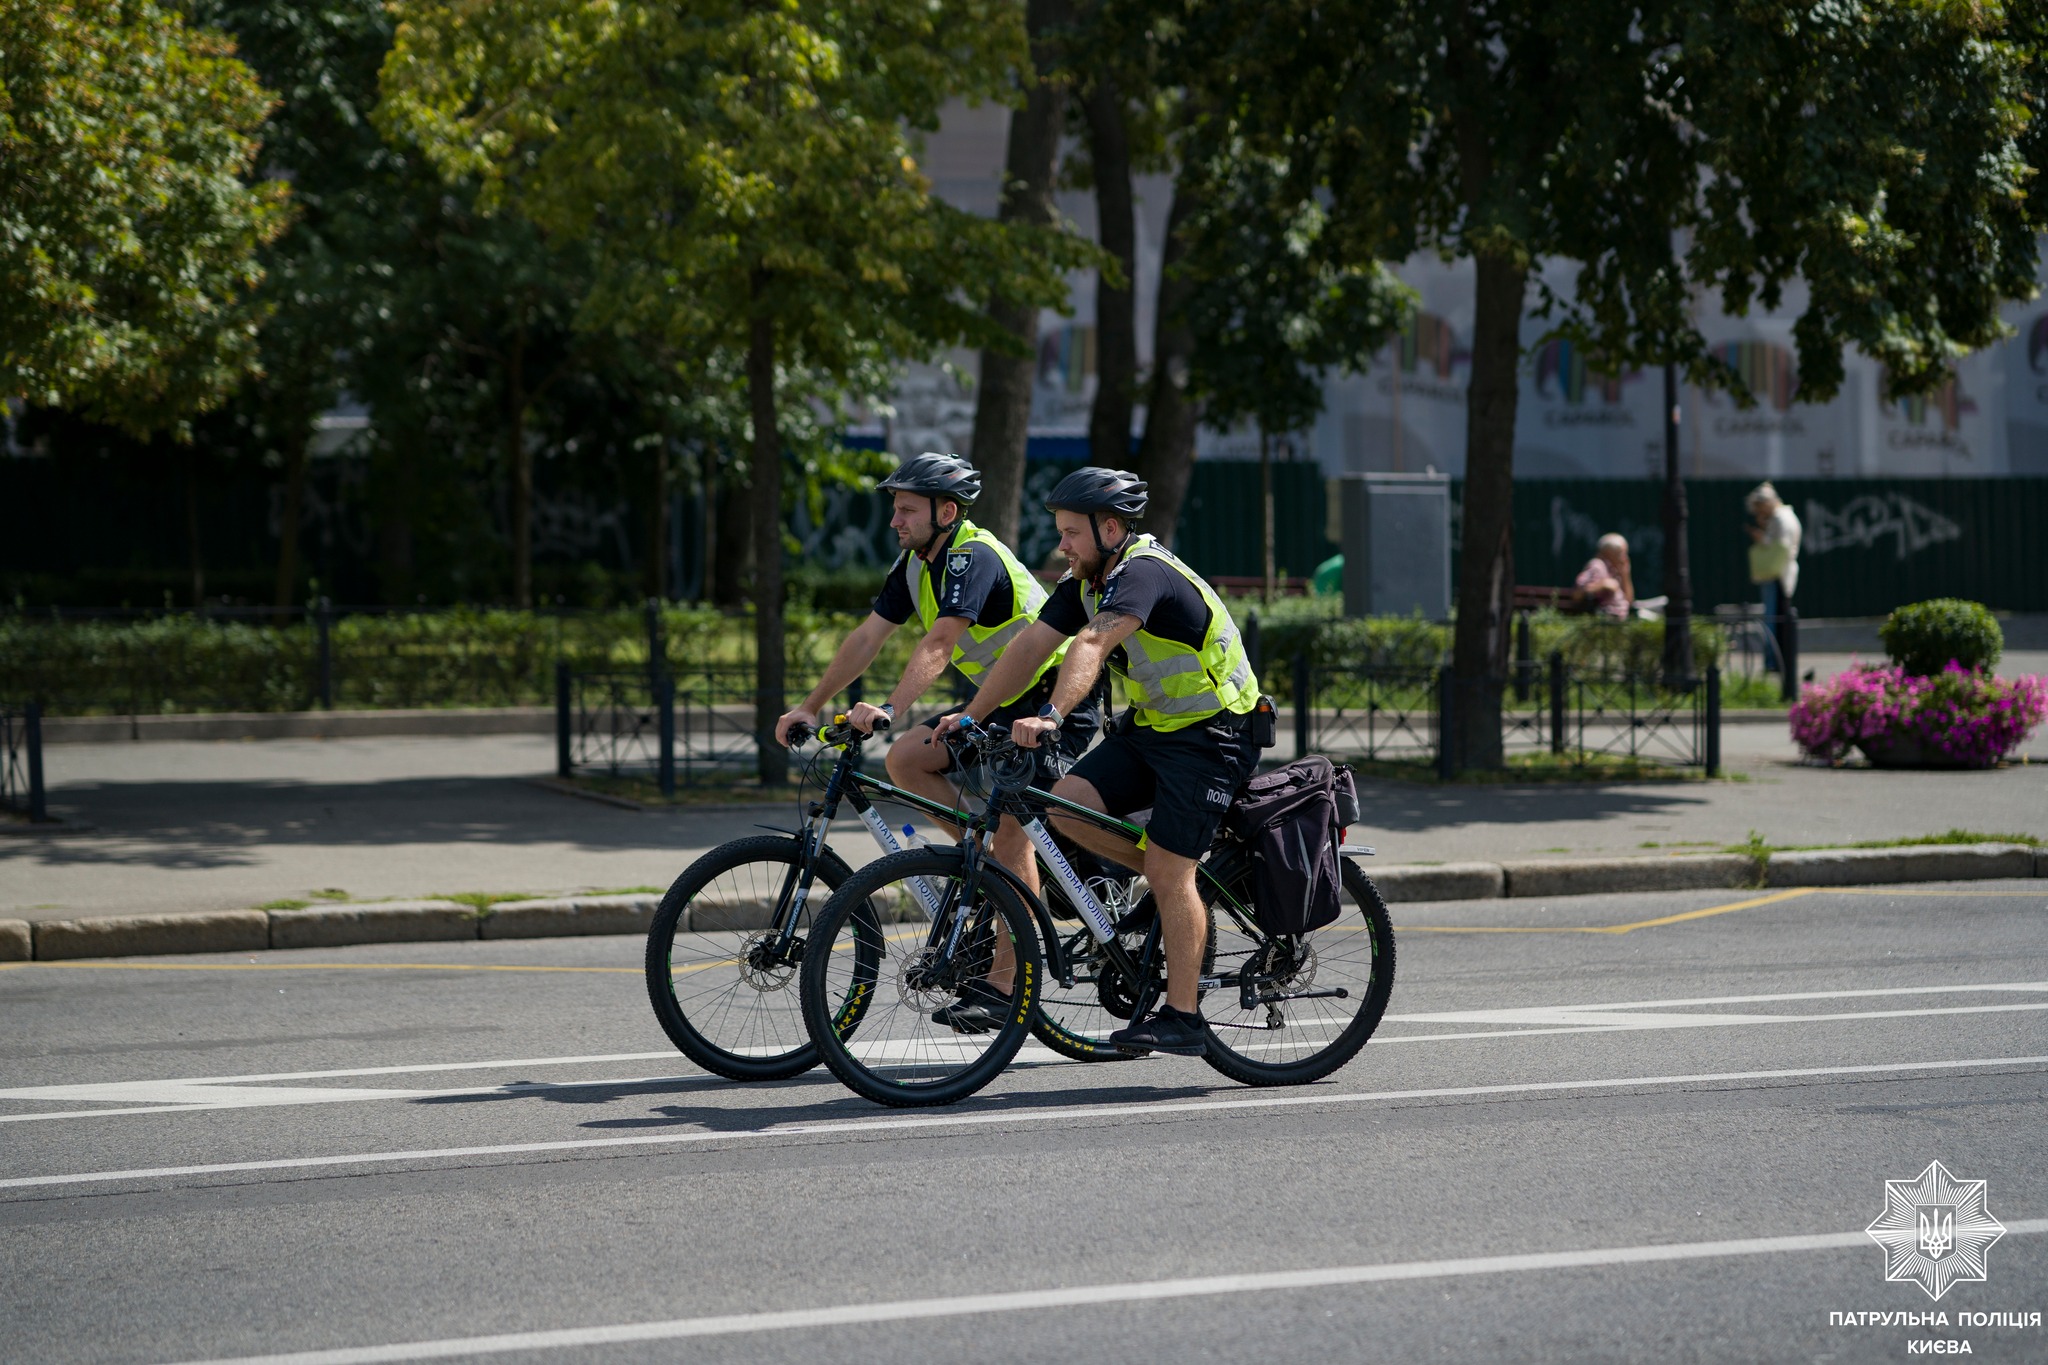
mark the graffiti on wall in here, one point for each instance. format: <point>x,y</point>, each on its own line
<point>1864,521</point>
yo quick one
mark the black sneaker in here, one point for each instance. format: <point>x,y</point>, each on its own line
<point>1169,1030</point>
<point>981,1008</point>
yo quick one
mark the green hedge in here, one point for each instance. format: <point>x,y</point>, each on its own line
<point>462,657</point>
<point>1313,626</point>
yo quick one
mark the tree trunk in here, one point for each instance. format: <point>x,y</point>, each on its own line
<point>1002,406</point>
<point>728,534</point>
<point>1166,456</point>
<point>1486,578</point>
<point>1266,514</point>
<point>767,501</point>
<point>195,553</point>
<point>1116,323</point>
<point>289,516</point>
<point>658,530</point>
<point>1678,669</point>
<point>520,463</point>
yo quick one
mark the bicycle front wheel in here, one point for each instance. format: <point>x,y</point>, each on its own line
<point>1312,1000</point>
<point>724,997</point>
<point>889,982</point>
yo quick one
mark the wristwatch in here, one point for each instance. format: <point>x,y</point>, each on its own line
<point>1051,713</point>
<point>888,710</point>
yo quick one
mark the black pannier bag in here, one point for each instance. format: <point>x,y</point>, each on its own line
<point>1289,819</point>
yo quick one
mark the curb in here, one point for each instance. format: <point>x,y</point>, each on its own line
<point>1592,876</point>
<point>1444,882</point>
<point>1927,863</point>
<point>437,921</point>
<point>627,914</point>
<point>337,926</point>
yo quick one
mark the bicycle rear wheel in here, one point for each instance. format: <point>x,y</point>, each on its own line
<point>879,966</point>
<point>723,1006</point>
<point>1316,997</point>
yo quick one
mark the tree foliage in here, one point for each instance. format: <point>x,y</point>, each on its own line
<point>1875,152</point>
<point>748,179</point>
<point>129,230</point>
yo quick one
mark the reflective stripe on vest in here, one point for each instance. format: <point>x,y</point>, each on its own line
<point>979,647</point>
<point>1170,685</point>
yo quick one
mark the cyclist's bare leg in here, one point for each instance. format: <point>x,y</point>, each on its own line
<point>1182,922</point>
<point>917,764</point>
<point>1096,840</point>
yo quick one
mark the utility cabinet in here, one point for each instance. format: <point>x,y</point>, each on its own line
<point>1397,544</point>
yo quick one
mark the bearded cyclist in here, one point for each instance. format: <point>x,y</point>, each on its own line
<point>973,598</point>
<point>1185,746</point>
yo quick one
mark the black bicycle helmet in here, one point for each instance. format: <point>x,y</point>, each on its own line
<point>936,476</point>
<point>1116,492</point>
<point>1100,492</point>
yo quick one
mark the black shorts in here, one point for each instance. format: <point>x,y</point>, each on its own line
<point>1076,732</point>
<point>1188,777</point>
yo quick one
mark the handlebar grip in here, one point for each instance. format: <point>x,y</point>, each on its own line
<point>800,734</point>
<point>881,724</point>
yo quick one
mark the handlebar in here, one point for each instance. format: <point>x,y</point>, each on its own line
<point>840,731</point>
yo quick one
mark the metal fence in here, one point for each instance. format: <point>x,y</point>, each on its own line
<point>21,761</point>
<point>670,728</point>
<point>1584,717</point>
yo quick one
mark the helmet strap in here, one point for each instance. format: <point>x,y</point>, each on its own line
<point>937,530</point>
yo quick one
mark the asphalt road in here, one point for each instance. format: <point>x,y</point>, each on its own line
<point>227,826</point>
<point>1691,1112</point>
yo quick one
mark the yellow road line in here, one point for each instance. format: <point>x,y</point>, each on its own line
<point>318,967</point>
<point>1771,899</point>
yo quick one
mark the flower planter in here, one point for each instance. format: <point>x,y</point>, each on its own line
<point>1955,719</point>
<point>1910,751</point>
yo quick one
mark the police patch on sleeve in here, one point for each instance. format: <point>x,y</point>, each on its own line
<point>956,564</point>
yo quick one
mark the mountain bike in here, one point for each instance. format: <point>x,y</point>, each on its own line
<point>884,969</point>
<point>728,938</point>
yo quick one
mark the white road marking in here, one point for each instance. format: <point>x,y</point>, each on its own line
<point>934,1122</point>
<point>1079,1296</point>
<point>202,1093</point>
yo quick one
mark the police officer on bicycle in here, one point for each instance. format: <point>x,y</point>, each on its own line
<point>1185,746</point>
<point>974,599</point>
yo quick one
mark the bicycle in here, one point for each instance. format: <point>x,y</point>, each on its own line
<point>727,940</point>
<point>1279,1010</point>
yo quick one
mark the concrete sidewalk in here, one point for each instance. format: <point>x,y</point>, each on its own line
<point>217,826</point>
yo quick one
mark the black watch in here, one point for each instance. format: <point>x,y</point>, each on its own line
<point>1051,713</point>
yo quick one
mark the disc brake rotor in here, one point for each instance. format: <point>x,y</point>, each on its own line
<point>760,969</point>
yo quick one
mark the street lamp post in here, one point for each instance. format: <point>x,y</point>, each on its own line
<point>1677,572</point>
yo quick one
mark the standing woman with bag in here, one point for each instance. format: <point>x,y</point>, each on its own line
<point>1774,566</point>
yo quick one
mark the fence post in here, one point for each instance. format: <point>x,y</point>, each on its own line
<point>1302,702</point>
<point>1557,701</point>
<point>657,651</point>
<point>1713,720</point>
<point>1525,657</point>
<point>665,700</point>
<point>1252,652</point>
<point>563,767</point>
<point>1788,651</point>
<point>32,727</point>
<point>323,625</point>
<point>1446,726</point>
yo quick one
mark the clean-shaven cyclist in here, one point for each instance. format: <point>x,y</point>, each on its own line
<point>1186,745</point>
<point>973,598</point>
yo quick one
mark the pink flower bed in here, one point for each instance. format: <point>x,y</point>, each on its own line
<point>1973,719</point>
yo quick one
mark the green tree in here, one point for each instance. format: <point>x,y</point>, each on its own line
<point>1875,150</point>
<point>1268,312</point>
<point>321,58</point>
<point>746,175</point>
<point>129,233</point>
